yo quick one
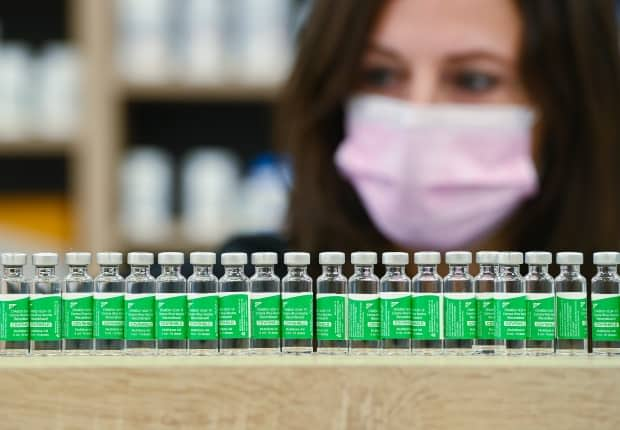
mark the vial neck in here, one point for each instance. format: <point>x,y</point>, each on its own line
<point>427,269</point>
<point>394,270</point>
<point>233,270</point>
<point>509,269</point>
<point>488,269</point>
<point>612,270</point>
<point>297,271</point>
<point>78,270</point>
<point>140,270</point>
<point>332,270</point>
<point>538,268</point>
<point>264,270</point>
<point>109,270</point>
<point>201,270</point>
<point>570,269</point>
<point>458,269</point>
<point>170,270</point>
<point>45,271</point>
<point>13,271</point>
<point>364,270</point>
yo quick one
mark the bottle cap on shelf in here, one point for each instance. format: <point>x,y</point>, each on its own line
<point>109,258</point>
<point>77,258</point>
<point>13,258</point>
<point>458,257</point>
<point>45,259</point>
<point>487,257</point>
<point>202,258</point>
<point>427,257</point>
<point>605,258</point>
<point>296,258</point>
<point>234,258</point>
<point>510,258</point>
<point>264,258</point>
<point>538,257</point>
<point>569,258</point>
<point>175,258</point>
<point>332,258</point>
<point>395,258</point>
<point>140,258</point>
<point>363,257</point>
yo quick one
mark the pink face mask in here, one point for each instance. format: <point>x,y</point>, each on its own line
<point>437,176</point>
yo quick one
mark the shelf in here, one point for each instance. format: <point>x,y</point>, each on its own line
<point>174,92</point>
<point>310,392</point>
<point>35,148</point>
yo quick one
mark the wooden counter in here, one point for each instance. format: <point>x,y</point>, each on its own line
<point>310,392</point>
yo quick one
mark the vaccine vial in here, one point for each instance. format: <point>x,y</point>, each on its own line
<point>297,300</point>
<point>570,304</point>
<point>45,306</point>
<point>427,305</point>
<point>459,305</point>
<point>364,309</point>
<point>484,287</point>
<point>140,305</point>
<point>14,306</point>
<point>109,306</point>
<point>510,318</point>
<point>202,305</point>
<point>606,305</point>
<point>331,305</point>
<point>395,303</point>
<point>171,305</point>
<point>540,305</point>
<point>234,305</point>
<point>265,305</point>
<point>77,306</point>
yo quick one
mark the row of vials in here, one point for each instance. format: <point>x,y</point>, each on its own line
<point>498,311</point>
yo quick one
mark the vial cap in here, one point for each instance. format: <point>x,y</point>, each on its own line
<point>45,259</point>
<point>109,258</point>
<point>538,257</point>
<point>458,257</point>
<point>487,257</point>
<point>510,258</point>
<point>234,258</point>
<point>13,258</point>
<point>140,258</point>
<point>427,257</point>
<point>569,258</point>
<point>395,258</point>
<point>264,258</point>
<point>175,258</point>
<point>332,258</point>
<point>605,258</point>
<point>297,258</point>
<point>205,258</point>
<point>364,258</point>
<point>77,258</point>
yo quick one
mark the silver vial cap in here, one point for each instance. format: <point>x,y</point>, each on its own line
<point>487,257</point>
<point>234,258</point>
<point>510,258</point>
<point>202,258</point>
<point>337,258</point>
<point>395,258</point>
<point>538,257</point>
<point>427,257</point>
<point>605,258</point>
<point>458,257</point>
<point>264,258</point>
<point>140,258</point>
<point>109,258</point>
<point>569,258</point>
<point>45,259</point>
<point>173,258</point>
<point>77,258</point>
<point>297,258</point>
<point>14,259</point>
<point>364,258</point>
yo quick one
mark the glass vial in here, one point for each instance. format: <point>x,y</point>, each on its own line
<point>459,305</point>
<point>395,303</point>
<point>14,306</point>
<point>364,309</point>
<point>484,287</point>
<point>297,302</point>
<point>540,305</point>
<point>606,305</point>
<point>140,305</point>
<point>510,318</point>
<point>171,305</point>
<point>427,305</point>
<point>45,306</point>
<point>109,305</point>
<point>265,305</point>
<point>570,304</point>
<point>234,306</point>
<point>331,305</point>
<point>77,306</point>
<point>202,305</point>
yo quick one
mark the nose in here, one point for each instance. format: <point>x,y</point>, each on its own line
<point>424,85</point>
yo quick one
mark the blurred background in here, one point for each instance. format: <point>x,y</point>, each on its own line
<point>141,124</point>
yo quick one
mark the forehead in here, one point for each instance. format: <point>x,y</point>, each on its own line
<point>443,27</point>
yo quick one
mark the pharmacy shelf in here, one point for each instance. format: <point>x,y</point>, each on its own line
<point>36,148</point>
<point>179,92</point>
<point>311,392</point>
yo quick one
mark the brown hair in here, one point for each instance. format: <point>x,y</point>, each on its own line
<point>571,67</point>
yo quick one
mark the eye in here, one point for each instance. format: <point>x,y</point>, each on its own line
<point>475,82</point>
<point>380,77</point>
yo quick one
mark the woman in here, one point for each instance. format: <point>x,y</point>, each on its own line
<point>492,124</point>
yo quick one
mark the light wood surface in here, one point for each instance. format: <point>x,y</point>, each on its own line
<point>310,392</point>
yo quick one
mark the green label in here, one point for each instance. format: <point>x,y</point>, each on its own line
<point>510,319</point>
<point>485,314</point>
<point>171,316</point>
<point>426,316</point>
<point>297,315</point>
<point>265,315</point>
<point>140,316</point>
<point>233,316</point>
<point>540,311</point>
<point>395,315</point>
<point>202,316</point>
<point>109,316</point>
<point>45,316</point>
<point>459,311</point>
<point>364,317</point>
<point>571,309</point>
<point>77,315</point>
<point>330,317</point>
<point>14,317</point>
<point>606,317</point>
